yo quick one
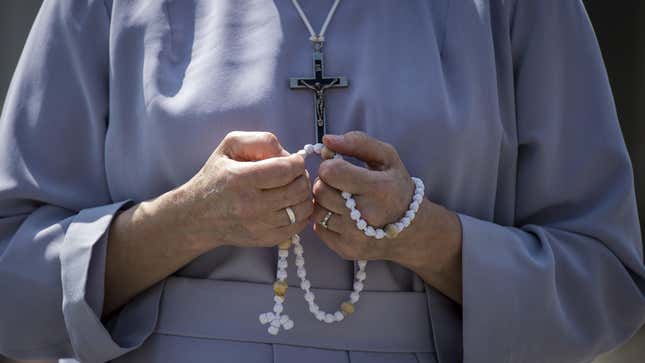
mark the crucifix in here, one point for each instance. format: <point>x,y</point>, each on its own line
<point>319,84</point>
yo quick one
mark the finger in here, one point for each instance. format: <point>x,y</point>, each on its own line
<point>335,222</point>
<point>281,234</point>
<point>361,146</point>
<point>302,211</point>
<point>275,172</point>
<point>348,177</point>
<point>329,198</point>
<point>251,146</point>
<point>288,195</point>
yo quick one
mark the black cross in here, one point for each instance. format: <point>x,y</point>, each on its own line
<point>318,85</point>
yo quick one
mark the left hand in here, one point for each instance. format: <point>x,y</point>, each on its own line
<point>382,192</point>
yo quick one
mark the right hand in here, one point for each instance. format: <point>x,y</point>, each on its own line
<point>240,194</point>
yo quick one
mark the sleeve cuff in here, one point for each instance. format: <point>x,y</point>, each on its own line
<point>491,269</point>
<point>82,259</point>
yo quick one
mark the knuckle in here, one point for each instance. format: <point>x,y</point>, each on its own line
<point>389,148</point>
<point>328,170</point>
<point>295,166</point>
<point>356,135</point>
<point>269,138</point>
<point>232,136</point>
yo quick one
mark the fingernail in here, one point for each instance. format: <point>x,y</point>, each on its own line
<point>333,138</point>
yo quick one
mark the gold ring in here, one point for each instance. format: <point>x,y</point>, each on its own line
<point>291,214</point>
<point>326,219</point>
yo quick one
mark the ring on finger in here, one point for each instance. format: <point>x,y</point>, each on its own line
<point>325,220</point>
<point>291,214</point>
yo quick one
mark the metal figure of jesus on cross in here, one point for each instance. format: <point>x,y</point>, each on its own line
<point>319,84</point>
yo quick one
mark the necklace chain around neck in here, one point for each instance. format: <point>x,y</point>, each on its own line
<point>320,37</point>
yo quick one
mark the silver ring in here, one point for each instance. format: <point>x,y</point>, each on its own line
<point>291,214</point>
<point>325,220</point>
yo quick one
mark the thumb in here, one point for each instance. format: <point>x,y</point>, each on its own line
<point>251,146</point>
<point>361,146</point>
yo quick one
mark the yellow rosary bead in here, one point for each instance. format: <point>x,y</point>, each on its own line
<point>391,231</point>
<point>284,245</point>
<point>280,288</point>
<point>347,308</point>
<point>326,153</point>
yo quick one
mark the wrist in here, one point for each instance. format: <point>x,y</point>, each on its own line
<point>432,245</point>
<point>173,210</point>
<point>412,247</point>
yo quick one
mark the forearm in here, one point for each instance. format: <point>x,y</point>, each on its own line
<point>432,249</point>
<point>146,245</point>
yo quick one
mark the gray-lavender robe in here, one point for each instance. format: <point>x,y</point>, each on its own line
<point>502,107</point>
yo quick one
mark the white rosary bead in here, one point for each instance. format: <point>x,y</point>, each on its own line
<point>355,215</point>
<point>309,297</point>
<point>263,318</point>
<point>379,234</point>
<point>318,148</point>
<point>278,299</point>
<point>339,316</point>
<point>338,157</point>
<point>361,224</point>
<point>300,261</point>
<point>281,275</point>
<point>271,316</point>
<point>414,206</point>
<point>346,195</point>
<point>295,239</point>
<point>418,198</point>
<point>298,250</point>
<point>273,330</point>
<point>320,315</point>
<point>361,275</point>
<point>278,308</point>
<point>358,286</point>
<point>406,221</point>
<point>302,272</point>
<point>354,296</point>
<point>314,308</point>
<point>282,264</point>
<point>370,232</point>
<point>276,323</point>
<point>284,319</point>
<point>283,253</point>
<point>350,203</point>
<point>362,264</point>
<point>329,318</point>
<point>308,149</point>
<point>305,285</point>
<point>410,214</point>
<point>288,325</point>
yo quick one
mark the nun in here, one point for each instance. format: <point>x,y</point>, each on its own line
<point>315,181</point>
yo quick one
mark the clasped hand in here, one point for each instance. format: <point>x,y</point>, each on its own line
<point>240,194</point>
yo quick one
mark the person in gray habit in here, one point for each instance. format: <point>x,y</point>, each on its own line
<point>151,185</point>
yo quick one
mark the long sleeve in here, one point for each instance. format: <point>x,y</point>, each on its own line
<point>55,206</point>
<point>566,282</point>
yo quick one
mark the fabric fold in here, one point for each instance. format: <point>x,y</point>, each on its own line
<point>82,259</point>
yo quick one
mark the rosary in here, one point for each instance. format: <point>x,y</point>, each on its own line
<point>318,85</point>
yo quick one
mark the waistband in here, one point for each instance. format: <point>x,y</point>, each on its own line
<point>214,309</point>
